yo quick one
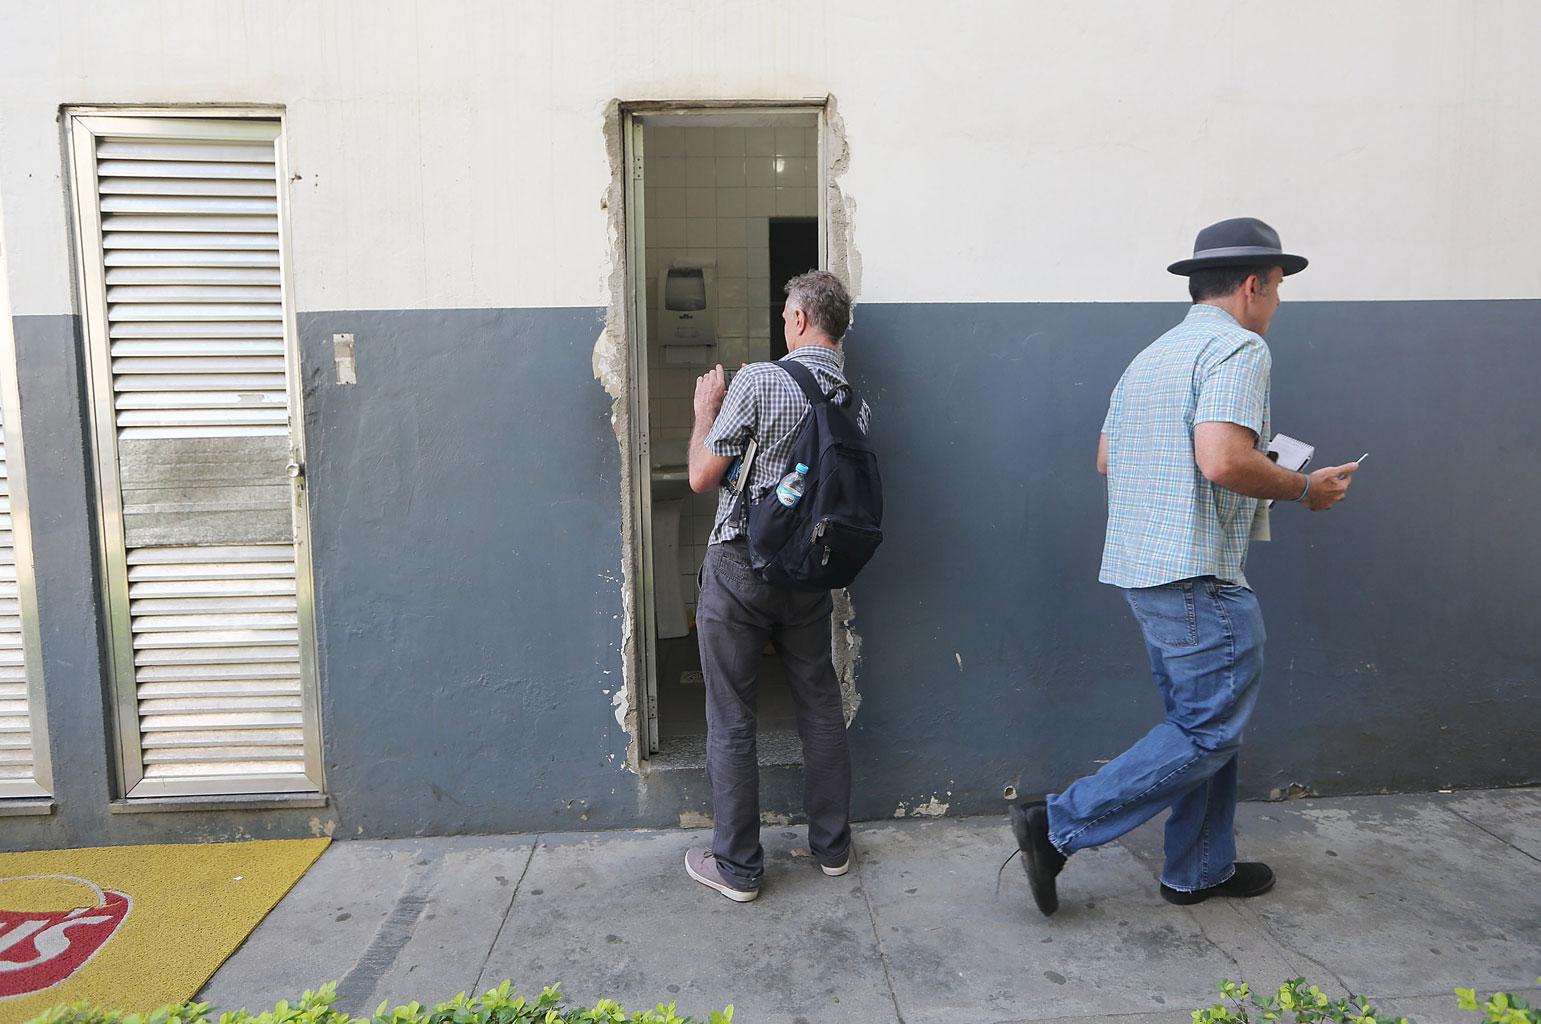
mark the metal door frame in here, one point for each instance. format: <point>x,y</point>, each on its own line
<point>21,545</point>
<point>82,124</point>
<point>644,690</point>
<point>644,609</point>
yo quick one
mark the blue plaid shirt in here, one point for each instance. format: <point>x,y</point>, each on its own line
<point>1167,522</point>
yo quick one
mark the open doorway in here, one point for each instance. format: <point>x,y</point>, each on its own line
<point>724,206</point>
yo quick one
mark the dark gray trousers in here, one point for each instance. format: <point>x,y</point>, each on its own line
<point>736,613</point>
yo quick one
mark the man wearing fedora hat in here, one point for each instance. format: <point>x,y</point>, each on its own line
<point>1184,450</point>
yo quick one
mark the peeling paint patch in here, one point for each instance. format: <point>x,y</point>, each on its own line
<point>1294,791</point>
<point>319,828</point>
<point>622,707</point>
<point>695,819</point>
<point>933,808</point>
<point>846,649</point>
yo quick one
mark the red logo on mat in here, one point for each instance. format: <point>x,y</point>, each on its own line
<point>50,927</point>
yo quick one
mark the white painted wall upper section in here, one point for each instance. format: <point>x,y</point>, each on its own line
<point>451,154</point>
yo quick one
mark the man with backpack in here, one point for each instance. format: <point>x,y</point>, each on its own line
<point>805,522</point>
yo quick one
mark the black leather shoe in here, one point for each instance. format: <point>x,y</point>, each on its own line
<point>1041,861</point>
<point>1251,879</point>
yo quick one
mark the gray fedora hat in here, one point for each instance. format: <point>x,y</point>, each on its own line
<point>1238,242</point>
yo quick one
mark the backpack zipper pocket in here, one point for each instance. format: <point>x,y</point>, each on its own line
<point>828,535</point>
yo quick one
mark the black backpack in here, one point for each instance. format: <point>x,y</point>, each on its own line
<point>823,541</point>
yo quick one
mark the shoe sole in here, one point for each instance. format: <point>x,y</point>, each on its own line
<point>736,895</point>
<point>1179,898</point>
<point>1045,894</point>
<point>836,872</point>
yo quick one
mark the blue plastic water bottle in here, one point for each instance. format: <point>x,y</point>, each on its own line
<point>790,491</point>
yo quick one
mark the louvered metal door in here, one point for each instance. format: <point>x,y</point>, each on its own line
<point>194,378</point>
<point>24,763</point>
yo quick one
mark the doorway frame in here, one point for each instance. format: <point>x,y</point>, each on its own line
<point>642,680</point>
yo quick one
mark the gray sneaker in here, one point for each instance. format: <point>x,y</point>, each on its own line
<point>701,866</point>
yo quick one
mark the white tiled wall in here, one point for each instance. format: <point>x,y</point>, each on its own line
<point>710,194</point>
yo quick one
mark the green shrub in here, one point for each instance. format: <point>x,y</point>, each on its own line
<point>1502,1008</point>
<point>1306,1004</point>
<point>1296,1001</point>
<point>497,1006</point>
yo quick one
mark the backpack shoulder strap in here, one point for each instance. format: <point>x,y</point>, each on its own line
<point>805,380</point>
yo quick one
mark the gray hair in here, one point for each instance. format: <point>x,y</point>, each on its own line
<point>821,296</point>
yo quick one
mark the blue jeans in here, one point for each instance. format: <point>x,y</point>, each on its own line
<point>1205,640</point>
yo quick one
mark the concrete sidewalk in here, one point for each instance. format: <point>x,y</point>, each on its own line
<point>1399,898</point>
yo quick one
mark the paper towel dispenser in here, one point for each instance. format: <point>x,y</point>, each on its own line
<point>686,317</point>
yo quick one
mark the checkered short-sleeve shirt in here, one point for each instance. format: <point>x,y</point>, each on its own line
<point>764,402</point>
<point>1166,522</point>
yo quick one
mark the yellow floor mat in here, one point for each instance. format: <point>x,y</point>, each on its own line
<point>133,927</point>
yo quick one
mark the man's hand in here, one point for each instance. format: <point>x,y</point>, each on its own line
<point>1329,486</point>
<point>711,389</point>
<point>707,469</point>
<point>1227,455</point>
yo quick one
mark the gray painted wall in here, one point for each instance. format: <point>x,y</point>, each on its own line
<point>465,510</point>
<point>465,519</point>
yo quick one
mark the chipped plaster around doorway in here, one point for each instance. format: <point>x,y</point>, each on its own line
<point>844,258</point>
<point>845,263</point>
<point>611,365</point>
<point>614,367</point>
<point>846,651</point>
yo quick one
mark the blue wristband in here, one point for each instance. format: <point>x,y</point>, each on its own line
<point>1307,487</point>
